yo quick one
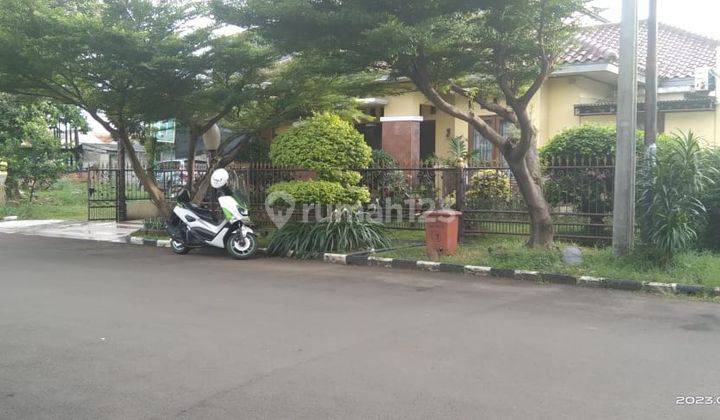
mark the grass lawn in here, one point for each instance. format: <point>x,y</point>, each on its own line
<point>693,267</point>
<point>67,199</point>
<point>150,235</point>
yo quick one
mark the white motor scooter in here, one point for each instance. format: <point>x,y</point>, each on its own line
<point>192,226</point>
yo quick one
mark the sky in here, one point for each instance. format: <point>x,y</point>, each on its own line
<point>699,16</point>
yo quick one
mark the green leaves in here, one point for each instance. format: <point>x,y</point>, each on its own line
<point>32,154</point>
<point>322,192</point>
<point>670,186</point>
<point>343,231</point>
<point>323,143</point>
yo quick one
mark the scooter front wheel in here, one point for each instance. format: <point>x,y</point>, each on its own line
<point>241,247</point>
<point>179,247</point>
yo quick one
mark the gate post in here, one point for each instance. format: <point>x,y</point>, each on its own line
<point>460,200</point>
<point>120,203</point>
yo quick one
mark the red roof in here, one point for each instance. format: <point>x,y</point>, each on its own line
<point>680,52</point>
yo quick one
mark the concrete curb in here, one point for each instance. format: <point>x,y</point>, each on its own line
<point>160,243</point>
<point>533,276</point>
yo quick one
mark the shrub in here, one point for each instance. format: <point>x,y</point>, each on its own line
<point>324,143</point>
<point>321,192</point>
<point>670,186</point>
<point>588,190</point>
<point>710,235</point>
<point>37,167</point>
<point>387,183</point>
<point>343,231</point>
<point>584,142</point>
<point>488,187</point>
<point>332,148</point>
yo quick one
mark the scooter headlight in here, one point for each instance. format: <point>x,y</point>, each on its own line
<point>243,212</point>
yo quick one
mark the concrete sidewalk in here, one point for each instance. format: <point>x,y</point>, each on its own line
<point>73,229</point>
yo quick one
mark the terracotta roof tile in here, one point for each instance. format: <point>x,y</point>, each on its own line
<point>680,52</point>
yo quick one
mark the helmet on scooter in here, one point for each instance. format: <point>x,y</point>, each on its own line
<point>219,178</point>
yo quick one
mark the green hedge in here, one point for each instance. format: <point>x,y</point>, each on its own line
<point>588,142</point>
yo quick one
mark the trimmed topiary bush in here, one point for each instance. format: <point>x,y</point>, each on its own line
<point>332,148</point>
<point>324,143</point>
<point>321,192</point>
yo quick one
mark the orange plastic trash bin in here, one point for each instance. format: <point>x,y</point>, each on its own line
<point>441,232</point>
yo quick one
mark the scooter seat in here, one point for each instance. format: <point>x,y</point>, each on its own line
<point>203,213</point>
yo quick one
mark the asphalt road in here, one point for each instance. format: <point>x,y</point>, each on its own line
<point>94,330</point>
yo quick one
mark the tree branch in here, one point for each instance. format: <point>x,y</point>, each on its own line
<point>498,109</point>
<point>418,74</point>
<point>214,120</point>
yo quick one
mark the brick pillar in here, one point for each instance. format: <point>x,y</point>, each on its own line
<point>401,138</point>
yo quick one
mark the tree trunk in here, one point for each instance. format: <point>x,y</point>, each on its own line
<point>32,192</point>
<point>521,155</point>
<point>541,225</point>
<point>156,194</point>
<point>194,134</point>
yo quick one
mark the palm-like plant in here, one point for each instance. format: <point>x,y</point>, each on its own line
<point>670,187</point>
<point>459,151</point>
<point>343,231</point>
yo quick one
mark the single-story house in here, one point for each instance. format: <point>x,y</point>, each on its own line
<point>582,89</point>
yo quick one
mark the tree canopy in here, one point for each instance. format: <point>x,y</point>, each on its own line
<point>495,53</point>
<point>132,62</point>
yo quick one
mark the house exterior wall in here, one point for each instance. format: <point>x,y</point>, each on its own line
<point>703,124</point>
<point>446,126</point>
<point>558,98</point>
<point>405,105</point>
<point>553,111</point>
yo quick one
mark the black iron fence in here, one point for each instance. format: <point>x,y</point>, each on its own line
<point>579,193</point>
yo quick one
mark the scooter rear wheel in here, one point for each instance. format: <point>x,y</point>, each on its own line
<point>241,247</point>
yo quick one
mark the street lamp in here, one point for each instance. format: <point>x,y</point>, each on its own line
<point>212,138</point>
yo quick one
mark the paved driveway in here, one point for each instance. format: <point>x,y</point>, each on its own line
<point>97,330</point>
<point>71,229</point>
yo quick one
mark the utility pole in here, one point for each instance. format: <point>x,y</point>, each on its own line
<point>624,192</point>
<point>651,83</point>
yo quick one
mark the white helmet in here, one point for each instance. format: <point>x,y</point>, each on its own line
<point>219,178</point>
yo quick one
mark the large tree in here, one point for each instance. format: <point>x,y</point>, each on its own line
<point>131,62</point>
<point>497,53</point>
<point>123,61</point>
<point>34,156</point>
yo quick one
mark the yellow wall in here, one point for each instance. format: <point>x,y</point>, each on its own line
<point>408,104</point>
<point>598,119</point>
<point>703,124</point>
<point>405,104</point>
<point>553,110</point>
<point>558,99</point>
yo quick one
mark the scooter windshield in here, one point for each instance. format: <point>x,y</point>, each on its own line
<point>237,187</point>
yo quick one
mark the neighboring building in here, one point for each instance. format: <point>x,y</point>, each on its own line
<point>581,90</point>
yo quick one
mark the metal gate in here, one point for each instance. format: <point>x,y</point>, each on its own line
<point>102,194</point>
